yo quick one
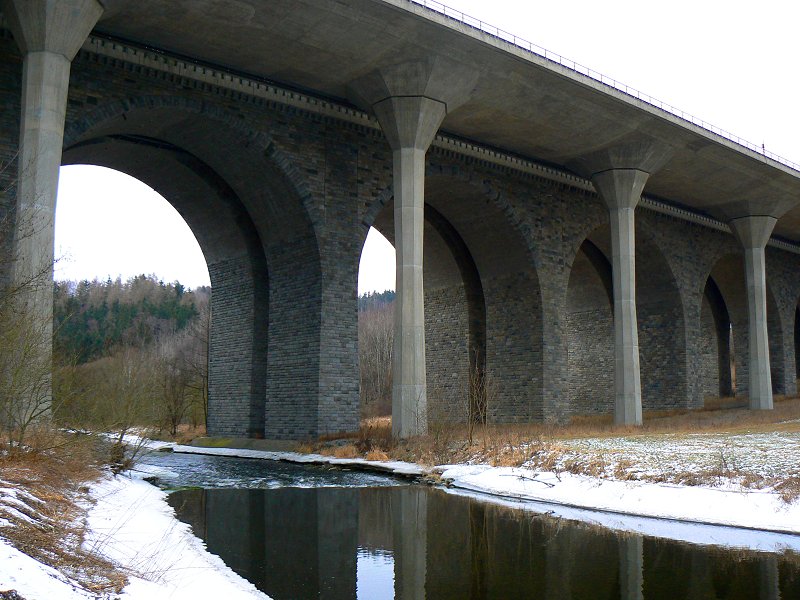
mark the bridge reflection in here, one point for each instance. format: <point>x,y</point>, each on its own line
<point>417,543</point>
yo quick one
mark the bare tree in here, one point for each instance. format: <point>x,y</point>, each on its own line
<point>197,355</point>
<point>25,337</point>
<point>479,394</point>
<point>375,340</point>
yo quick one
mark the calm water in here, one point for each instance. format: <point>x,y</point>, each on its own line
<point>370,537</point>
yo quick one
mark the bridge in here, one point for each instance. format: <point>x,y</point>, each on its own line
<point>586,248</point>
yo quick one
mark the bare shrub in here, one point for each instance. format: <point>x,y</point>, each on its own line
<point>25,337</point>
<point>375,340</point>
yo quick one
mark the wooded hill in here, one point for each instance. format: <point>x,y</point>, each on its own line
<point>93,319</point>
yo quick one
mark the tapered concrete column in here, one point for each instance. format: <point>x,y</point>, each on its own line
<point>621,189</point>
<point>410,123</point>
<point>49,33</point>
<point>753,232</point>
<point>410,100</point>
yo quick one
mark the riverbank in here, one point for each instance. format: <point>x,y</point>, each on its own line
<point>127,523</point>
<point>720,488</point>
<point>758,519</point>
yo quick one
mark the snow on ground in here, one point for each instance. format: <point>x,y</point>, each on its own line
<point>772,454</point>
<point>34,580</point>
<point>132,525</point>
<point>727,506</point>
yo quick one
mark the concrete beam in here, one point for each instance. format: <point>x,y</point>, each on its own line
<point>411,100</point>
<point>49,34</point>
<point>753,233</point>
<point>621,189</point>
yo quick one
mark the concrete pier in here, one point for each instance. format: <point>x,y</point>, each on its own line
<point>753,233</point>
<point>410,101</point>
<point>621,189</point>
<point>49,34</point>
<point>410,124</point>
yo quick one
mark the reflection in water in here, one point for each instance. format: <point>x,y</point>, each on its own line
<point>411,542</point>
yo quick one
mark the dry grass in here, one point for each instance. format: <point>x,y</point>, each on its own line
<point>46,519</point>
<point>548,447</point>
<point>184,435</point>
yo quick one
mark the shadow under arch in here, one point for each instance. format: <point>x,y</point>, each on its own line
<point>590,326</point>
<point>249,213</point>
<point>797,341</point>
<point>590,330</point>
<point>729,277</point>
<point>483,311</point>
<point>716,344</point>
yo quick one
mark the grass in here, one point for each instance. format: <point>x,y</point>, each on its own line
<point>552,447</point>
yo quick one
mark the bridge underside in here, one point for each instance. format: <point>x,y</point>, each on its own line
<point>518,269</point>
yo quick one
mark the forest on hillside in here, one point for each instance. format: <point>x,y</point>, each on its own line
<point>130,353</point>
<point>93,319</point>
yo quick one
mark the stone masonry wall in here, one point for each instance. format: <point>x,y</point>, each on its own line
<point>709,352</point>
<point>447,354</point>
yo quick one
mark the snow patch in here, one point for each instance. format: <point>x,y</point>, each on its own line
<point>132,525</point>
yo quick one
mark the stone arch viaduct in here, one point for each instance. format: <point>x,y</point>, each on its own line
<point>591,251</point>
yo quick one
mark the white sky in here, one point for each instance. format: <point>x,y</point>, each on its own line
<point>731,63</point>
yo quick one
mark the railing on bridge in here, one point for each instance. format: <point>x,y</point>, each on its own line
<point>524,44</point>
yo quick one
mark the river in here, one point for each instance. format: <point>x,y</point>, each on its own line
<point>302,532</point>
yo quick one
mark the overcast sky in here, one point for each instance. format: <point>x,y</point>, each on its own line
<point>731,63</point>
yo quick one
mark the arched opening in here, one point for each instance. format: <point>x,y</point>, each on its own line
<point>131,306</point>
<point>376,283</point>
<point>263,260</point>
<point>590,332</point>
<point>236,265</point>
<point>483,307</point>
<point>717,367</point>
<point>102,214</point>
<point>455,319</point>
<point>727,276</point>
<point>777,365</point>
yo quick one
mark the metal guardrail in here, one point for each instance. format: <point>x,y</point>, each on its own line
<point>572,65</point>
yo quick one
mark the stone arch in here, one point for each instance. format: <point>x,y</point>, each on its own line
<point>590,330</point>
<point>660,318</point>
<point>482,300</point>
<point>777,366</point>
<point>797,341</point>
<point>662,325</point>
<point>728,274</point>
<point>199,195</point>
<point>249,209</point>
<point>716,367</point>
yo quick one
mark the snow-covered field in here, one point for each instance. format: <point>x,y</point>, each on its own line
<point>131,523</point>
<point>773,454</point>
